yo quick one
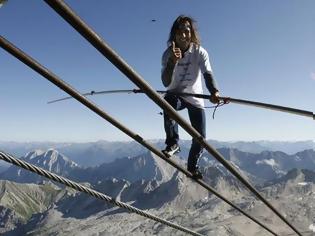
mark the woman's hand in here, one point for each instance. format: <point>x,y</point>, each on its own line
<point>214,98</point>
<point>177,53</point>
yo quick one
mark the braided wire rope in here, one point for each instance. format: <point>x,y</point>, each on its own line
<point>40,171</point>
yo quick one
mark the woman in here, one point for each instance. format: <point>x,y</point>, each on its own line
<point>184,63</point>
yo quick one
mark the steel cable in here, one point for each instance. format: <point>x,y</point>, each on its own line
<point>27,166</point>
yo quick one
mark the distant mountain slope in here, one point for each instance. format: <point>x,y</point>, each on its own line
<point>50,160</point>
<point>18,202</point>
<point>95,153</point>
<point>288,147</point>
<point>85,154</point>
<point>141,167</point>
<point>302,176</point>
<point>266,165</point>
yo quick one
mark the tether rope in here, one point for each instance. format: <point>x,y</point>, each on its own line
<point>82,99</point>
<point>223,100</point>
<point>91,36</point>
<point>40,171</point>
<point>92,93</point>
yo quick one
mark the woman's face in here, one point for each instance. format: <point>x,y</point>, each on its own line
<point>183,35</point>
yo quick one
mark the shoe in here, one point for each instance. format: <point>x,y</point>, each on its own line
<point>196,174</point>
<point>170,150</point>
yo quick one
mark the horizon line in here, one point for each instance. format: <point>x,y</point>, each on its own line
<point>154,140</point>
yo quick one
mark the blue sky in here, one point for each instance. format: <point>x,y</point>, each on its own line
<point>260,50</point>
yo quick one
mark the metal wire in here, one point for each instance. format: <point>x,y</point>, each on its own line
<point>223,100</point>
<point>40,171</point>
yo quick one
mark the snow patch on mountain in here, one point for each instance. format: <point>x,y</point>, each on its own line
<point>270,162</point>
<point>297,158</point>
<point>33,154</point>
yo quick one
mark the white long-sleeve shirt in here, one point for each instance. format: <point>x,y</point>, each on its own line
<point>188,71</point>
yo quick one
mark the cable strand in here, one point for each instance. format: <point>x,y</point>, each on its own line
<point>27,166</point>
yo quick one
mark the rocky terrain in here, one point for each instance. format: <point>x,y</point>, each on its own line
<point>35,206</point>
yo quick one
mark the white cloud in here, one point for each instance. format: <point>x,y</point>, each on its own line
<point>313,75</point>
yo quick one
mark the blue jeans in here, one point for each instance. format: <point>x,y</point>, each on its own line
<point>198,121</point>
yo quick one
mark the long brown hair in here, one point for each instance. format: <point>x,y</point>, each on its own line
<point>180,20</point>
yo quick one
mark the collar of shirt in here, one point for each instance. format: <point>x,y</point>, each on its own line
<point>190,49</point>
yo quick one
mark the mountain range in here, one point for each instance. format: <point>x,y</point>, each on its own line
<point>33,205</point>
<point>258,167</point>
<point>95,153</point>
